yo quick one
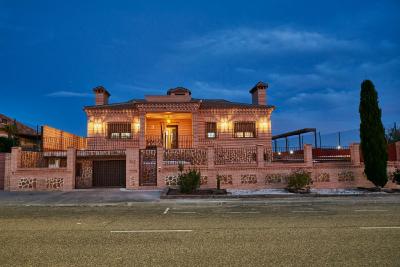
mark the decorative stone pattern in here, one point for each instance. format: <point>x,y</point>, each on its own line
<point>248,179</point>
<point>322,177</point>
<point>84,174</point>
<point>242,155</point>
<point>186,156</point>
<point>276,178</point>
<point>171,180</point>
<point>27,183</point>
<point>226,179</point>
<point>203,180</point>
<point>346,176</point>
<point>54,183</point>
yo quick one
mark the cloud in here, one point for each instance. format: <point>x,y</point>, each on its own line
<point>67,94</point>
<point>268,41</point>
<point>213,90</point>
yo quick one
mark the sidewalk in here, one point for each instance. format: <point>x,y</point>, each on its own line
<point>79,197</point>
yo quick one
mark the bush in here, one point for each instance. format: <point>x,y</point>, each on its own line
<point>6,144</point>
<point>396,176</point>
<point>299,180</point>
<point>189,181</point>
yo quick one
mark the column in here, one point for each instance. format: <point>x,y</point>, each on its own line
<point>69,182</point>
<point>260,156</point>
<point>160,175</point>
<point>15,158</point>
<point>142,131</point>
<point>132,168</point>
<point>308,160</point>
<point>355,154</point>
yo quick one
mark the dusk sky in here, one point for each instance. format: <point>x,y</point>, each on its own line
<point>313,54</point>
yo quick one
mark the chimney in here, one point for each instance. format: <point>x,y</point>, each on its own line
<point>102,95</point>
<point>259,94</point>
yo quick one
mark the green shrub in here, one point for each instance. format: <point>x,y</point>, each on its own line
<point>189,181</point>
<point>396,176</point>
<point>299,180</point>
<point>6,144</point>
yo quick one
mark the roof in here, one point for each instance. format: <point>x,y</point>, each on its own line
<point>296,132</point>
<point>204,104</point>
<point>101,89</point>
<point>22,128</point>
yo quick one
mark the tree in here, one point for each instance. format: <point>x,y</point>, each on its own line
<point>372,135</point>
<point>393,134</point>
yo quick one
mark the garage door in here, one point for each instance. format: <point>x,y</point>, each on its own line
<point>109,173</point>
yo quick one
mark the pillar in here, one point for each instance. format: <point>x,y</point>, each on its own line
<point>308,159</point>
<point>260,156</point>
<point>355,154</point>
<point>7,172</point>
<point>142,131</point>
<point>160,176</point>
<point>132,168</point>
<point>69,183</point>
<point>15,158</point>
<point>397,144</point>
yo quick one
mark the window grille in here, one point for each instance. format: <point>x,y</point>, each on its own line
<point>245,129</point>
<point>211,129</point>
<point>119,130</point>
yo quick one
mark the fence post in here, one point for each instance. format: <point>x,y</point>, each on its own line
<point>15,158</point>
<point>260,156</point>
<point>210,157</point>
<point>308,159</point>
<point>160,161</point>
<point>71,168</point>
<point>397,145</point>
<point>355,154</point>
<point>7,172</point>
<point>142,137</point>
<point>132,168</point>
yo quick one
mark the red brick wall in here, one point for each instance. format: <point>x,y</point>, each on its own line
<point>2,169</point>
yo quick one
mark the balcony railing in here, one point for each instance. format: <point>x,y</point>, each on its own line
<point>183,141</point>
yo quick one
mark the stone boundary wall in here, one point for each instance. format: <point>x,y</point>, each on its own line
<point>39,179</point>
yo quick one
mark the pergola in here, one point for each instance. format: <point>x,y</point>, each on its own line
<point>294,133</point>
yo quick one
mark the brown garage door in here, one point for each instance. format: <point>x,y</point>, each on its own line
<point>2,169</point>
<point>109,173</point>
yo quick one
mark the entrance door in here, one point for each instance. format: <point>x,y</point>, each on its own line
<point>148,167</point>
<point>171,137</point>
<point>109,173</point>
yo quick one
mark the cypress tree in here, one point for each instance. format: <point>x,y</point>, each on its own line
<point>372,135</point>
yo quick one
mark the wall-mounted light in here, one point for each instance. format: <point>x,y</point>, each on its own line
<point>137,126</point>
<point>224,125</point>
<point>264,125</point>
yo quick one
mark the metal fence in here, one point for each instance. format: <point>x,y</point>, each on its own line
<point>285,154</point>
<point>322,154</point>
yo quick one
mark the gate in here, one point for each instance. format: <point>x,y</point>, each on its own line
<point>109,173</point>
<point>148,167</point>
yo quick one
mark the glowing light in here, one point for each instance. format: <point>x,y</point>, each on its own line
<point>279,153</point>
<point>137,126</point>
<point>339,147</point>
<point>168,121</point>
<point>291,151</point>
<point>224,125</point>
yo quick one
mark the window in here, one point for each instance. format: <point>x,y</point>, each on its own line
<point>211,129</point>
<point>119,130</point>
<point>245,129</point>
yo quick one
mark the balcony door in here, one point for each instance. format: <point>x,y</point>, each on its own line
<point>171,137</point>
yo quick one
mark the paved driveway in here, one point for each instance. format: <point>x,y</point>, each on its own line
<point>80,197</point>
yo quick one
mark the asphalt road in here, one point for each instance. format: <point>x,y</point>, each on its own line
<point>348,231</point>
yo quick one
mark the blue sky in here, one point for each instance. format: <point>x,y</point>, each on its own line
<point>313,54</point>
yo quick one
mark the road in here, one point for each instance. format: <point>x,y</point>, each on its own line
<point>341,231</point>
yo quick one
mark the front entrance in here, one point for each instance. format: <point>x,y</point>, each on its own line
<point>171,137</point>
<point>148,167</point>
<point>109,173</point>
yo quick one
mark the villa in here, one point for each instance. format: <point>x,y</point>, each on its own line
<point>139,144</point>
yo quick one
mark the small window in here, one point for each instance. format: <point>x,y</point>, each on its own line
<point>246,129</point>
<point>119,130</point>
<point>211,130</point>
